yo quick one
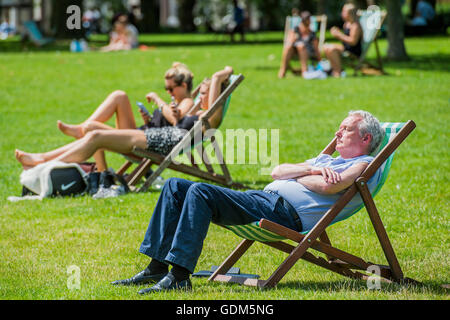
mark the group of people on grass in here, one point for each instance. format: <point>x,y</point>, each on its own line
<point>297,198</point>
<point>124,35</point>
<point>303,40</point>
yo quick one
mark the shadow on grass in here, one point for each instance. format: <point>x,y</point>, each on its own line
<point>361,286</point>
<point>16,46</point>
<point>427,62</point>
<point>346,285</point>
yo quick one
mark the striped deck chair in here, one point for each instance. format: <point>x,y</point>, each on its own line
<point>318,24</point>
<point>184,146</point>
<point>339,261</point>
<point>371,22</point>
<point>32,31</point>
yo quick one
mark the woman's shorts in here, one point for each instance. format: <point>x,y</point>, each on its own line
<point>162,140</point>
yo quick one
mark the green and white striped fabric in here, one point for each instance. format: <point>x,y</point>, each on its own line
<point>252,231</point>
<point>293,21</point>
<point>369,21</point>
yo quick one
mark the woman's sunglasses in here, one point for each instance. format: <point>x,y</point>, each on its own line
<point>170,89</point>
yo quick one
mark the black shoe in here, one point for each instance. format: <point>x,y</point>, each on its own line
<point>168,283</point>
<point>106,179</point>
<point>93,180</point>
<point>140,278</point>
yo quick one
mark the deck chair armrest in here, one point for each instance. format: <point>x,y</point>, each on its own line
<point>388,150</point>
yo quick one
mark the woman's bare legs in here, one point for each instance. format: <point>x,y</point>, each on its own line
<point>302,56</point>
<point>120,141</point>
<point>32,159</point>
<point>333,53</point>
<point>116,103</point>
<point>285,58</point>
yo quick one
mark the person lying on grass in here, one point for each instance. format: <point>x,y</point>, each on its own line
<point>297,198</point>
<point>94,136</point>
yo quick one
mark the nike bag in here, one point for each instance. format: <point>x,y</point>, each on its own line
<point>55,178</point>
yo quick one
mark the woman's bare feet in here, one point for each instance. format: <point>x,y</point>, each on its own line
<point>28,160</point>
<point>72,130</point>
<point>282,73</point>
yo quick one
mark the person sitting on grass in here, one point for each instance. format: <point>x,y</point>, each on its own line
<point>351,39</point>
<point>95,136</point>
<point>121,38</point>
<point>304,41</point>
<point>297,199</point>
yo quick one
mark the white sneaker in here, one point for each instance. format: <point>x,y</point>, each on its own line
<point>113,191</point>
<point>158,183</point>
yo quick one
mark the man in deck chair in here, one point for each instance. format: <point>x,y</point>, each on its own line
<point>297,199</point>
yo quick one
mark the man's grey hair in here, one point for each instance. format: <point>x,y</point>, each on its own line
<point>369,124</point>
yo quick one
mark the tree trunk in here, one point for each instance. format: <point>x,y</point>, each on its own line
<point>150,16</point>
<point>322,7</point>
<point>307,5</point>
<point>186,15</point>
<point>395,32</point>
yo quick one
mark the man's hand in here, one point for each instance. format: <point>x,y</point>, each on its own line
<point>328,174</point>
<point>331,182</point>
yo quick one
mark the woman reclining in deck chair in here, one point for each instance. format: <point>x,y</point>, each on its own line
<point>304,41</point>
<point>178,83</point>
<point>351,39</point>
<point>122,140</point>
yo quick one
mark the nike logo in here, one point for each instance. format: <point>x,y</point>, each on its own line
<point>64,187</point>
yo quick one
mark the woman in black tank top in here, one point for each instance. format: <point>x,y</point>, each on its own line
<point>350,37</point>
<point>353,49</point>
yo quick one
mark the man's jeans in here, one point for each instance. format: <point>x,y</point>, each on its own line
<point>185,209</point>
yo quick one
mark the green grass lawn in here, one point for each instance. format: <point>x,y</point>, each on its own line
<point>39,240</point>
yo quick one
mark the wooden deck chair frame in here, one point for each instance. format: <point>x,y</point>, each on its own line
<point>317,239</point>
<point>163,162</point>
<point>361,60</point>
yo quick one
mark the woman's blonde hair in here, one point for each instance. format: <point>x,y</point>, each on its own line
<point>352,11</point>
<point>180,73</point>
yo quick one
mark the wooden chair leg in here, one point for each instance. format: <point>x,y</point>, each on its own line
<point>124,167</point>
<point>380,63</point>
<point>379,229</point>
<point>232,258</point>
<point>324,238</point>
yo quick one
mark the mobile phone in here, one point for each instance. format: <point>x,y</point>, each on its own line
<point>143,108</point>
